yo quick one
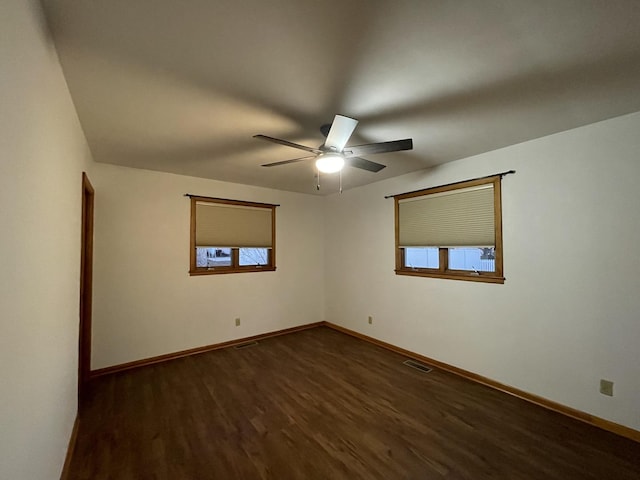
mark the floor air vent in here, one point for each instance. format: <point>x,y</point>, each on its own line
<point>246,345</point>
<point>417,365</point>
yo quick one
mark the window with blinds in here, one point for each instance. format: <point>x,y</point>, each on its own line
<point>453,231</point>
<point>231,236</point>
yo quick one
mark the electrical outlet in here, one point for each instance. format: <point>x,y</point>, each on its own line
<point>606,387</point>
<point>238,322</point>
<point>370,319</point>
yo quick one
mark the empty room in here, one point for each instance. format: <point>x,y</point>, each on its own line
<point>319,240</point>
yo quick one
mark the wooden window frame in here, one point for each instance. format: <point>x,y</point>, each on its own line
<point>443,270</point>
<point>235,266</point>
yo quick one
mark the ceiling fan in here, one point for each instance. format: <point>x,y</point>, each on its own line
<point>333,154</point>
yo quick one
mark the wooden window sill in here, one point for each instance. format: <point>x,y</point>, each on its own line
<point>218,271</point>
<point>452,276</point>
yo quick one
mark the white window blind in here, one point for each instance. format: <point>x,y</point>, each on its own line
<point>456,218</point>
<point>222,225</point>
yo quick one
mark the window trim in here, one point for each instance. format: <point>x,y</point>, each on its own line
<point>235,266</point>
<point>443,271</point>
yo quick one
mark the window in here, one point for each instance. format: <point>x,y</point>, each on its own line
<point>231,236</point>
<point>453,231</point>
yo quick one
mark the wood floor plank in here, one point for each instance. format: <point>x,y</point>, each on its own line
<point>319,404</point>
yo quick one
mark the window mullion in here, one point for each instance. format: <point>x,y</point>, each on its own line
<point>444,259</point>
<point>235,257</point>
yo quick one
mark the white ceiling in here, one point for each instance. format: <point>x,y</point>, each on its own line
<point>182,86</point>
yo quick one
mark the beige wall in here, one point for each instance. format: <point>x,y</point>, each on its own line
<point>145,302</point>
<point>568,312</point>
<point>42,155</point>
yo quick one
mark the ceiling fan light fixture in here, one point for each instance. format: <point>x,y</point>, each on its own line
<point>330,162</point>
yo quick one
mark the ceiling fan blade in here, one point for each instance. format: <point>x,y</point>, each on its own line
<point>287,143</point>
<point>364,164</point>
<point>341,129</point>
<point>284,162</point>
<point>381,147</point>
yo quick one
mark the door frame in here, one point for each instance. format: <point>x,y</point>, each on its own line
<point>86,285</point>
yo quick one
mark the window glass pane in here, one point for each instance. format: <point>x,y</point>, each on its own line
<point>474,259</point>
<point>254,256</point>
<point>213,257</point>
<point>421,257</point>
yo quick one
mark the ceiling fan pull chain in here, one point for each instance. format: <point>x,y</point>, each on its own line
<point>318,181</point>
<point>340,181</point>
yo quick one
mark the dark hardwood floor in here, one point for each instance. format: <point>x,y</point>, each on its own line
<point>319,404</point>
